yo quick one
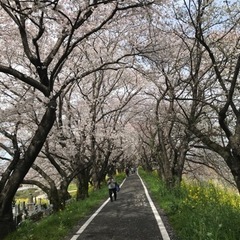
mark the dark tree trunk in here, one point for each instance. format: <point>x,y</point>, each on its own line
<point>7,224</point>
<point>146,159</point>
<point>58,198</point>
<point>233,162</point>
<point>82,184</point>
<point>230,153</point>
<point>54,199</point>
<point>64,195</point>
<point>179,161</point>
<point>18,173</point>
<point>100,173</point>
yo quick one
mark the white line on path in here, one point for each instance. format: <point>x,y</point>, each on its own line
<point>83,227</point>
<point>161,226</point>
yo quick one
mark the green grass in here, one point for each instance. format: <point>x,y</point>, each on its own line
<point>199,211</point>
<point>196,211</point>
<point>58,225</point>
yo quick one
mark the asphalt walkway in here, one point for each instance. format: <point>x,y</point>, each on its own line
<point>132,217</point>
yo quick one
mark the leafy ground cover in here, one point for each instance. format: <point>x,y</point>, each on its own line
<point>196,211</point>
<point>199,211</point>
<point>58,225</point>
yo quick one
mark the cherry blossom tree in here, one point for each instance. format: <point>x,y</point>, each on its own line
<point>187,56</point>
<point>202,78</point>
<point>38,41</point>
<point>215,28</point>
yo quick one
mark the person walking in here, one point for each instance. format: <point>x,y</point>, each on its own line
<point>127,171</point>
<point>112,188</point>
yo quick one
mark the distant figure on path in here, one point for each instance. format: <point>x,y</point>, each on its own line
<point>112,188</point>
<point>127,171</point>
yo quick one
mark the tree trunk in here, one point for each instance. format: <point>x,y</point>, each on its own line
<point>64,195</point>
<point>19,172</point>
<point>82,184</point>
<point>233,160</point>
<point>54,200</point>
<point>230,153</point>
<point>177,170</point>
<point>7,223</point>
<point>58,198</point>
<point>179,161</point>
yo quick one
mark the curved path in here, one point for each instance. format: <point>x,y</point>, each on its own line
<point>132,217</point>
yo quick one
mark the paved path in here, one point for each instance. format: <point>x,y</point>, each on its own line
<point>132,217</point>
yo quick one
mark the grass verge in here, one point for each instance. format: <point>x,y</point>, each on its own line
<point>198,211</point>
<point>58,225</point>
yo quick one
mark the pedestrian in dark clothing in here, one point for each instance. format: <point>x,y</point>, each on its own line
<point>112,188</point>
<point>127,171</point>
